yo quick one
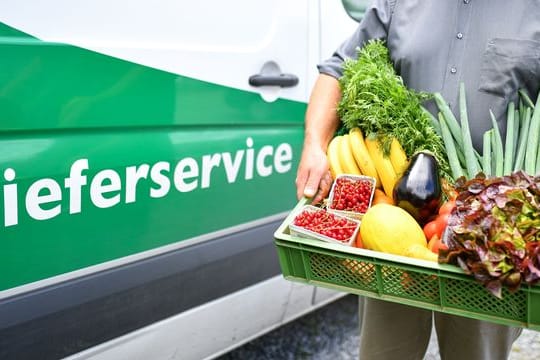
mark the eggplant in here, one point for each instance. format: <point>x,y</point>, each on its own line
<point>418,190</point>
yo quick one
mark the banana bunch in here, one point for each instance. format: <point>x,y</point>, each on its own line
<point>353,154</point>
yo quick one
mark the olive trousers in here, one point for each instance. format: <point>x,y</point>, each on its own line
<point>392,331</point>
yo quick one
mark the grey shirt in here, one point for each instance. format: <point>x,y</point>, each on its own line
<point>492,46</point>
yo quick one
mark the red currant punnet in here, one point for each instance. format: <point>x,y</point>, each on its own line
<point>327,224</point>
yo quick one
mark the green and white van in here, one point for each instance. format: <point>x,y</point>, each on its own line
<point>148,151</point>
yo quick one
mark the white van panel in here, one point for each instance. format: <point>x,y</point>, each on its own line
<point>332,34</point>
<point>215,328</point>
<point>223,42</point>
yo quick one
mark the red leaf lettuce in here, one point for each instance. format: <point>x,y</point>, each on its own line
<point>493,232</point>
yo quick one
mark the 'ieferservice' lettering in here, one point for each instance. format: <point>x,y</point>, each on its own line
<point>107,188</point>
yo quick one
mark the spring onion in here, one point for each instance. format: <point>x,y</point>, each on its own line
<point>498,154</point>
<point>451,120</point>
<point>486,158</point>
<point>434,121</point>
<point>453,159</point>
<point>471,162</point>
<point>509,141</point>
<point>523,139</point>
<point>532,146</point>
<point>525,97</point>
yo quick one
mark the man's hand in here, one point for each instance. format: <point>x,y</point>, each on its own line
<point>313,179</point>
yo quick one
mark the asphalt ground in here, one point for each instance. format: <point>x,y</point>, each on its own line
<point>331,332</point>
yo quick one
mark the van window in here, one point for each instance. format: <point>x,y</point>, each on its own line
<point>355,8</point>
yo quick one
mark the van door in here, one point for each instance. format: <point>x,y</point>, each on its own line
<point>142,173</point>
<point>152,107</point>
<point>147,154</point>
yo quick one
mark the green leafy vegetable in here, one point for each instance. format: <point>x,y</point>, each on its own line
<point>375,99</point>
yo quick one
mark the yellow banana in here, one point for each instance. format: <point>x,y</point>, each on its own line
<point>346,159</point>
<point>361,155</point>
<point>332,153</point>
<point>398,157</point>
<point>384,167</point>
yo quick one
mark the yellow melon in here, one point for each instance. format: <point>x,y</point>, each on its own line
<point>390,229</point>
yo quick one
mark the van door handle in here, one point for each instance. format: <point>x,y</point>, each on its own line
<point>283,80</point>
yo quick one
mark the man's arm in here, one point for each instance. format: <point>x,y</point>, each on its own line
<point>313,176</point>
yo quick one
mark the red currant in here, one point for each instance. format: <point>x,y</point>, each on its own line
<point>351,194</point>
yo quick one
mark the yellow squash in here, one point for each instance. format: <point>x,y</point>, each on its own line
<point>390,229</point>
<point>421,252</point>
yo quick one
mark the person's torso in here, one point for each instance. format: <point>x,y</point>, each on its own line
<point>492,46</point>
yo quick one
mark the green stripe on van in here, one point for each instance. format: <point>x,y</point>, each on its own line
<point>70,87</point>
<point>9,32</point>
<point>60,104</point>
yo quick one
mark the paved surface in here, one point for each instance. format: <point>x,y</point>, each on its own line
<point>332,333</point>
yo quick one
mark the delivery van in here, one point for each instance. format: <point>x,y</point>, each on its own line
<point>148,152</point>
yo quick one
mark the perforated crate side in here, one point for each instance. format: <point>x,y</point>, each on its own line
<point>290,260</point>
<point>335,270</point>
<point>410,284</point>
<point>468,296</point>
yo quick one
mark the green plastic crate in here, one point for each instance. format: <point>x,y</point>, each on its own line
<point>419,283</point>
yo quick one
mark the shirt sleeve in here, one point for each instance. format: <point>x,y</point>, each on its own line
<point>374,25</point>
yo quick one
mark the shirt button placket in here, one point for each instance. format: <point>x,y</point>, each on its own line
<point>453,70</point>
